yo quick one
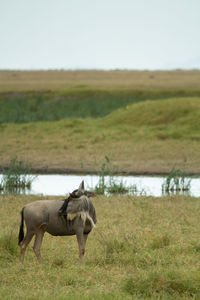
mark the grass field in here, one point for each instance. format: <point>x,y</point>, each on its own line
<point>119,79</point>
<point>149,248</point>
<point>145,137</point>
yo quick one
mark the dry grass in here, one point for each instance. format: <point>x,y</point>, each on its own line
<point>148,137</point>
<point>149,250</point>
<point>56,80</point>
<point>60,153</point>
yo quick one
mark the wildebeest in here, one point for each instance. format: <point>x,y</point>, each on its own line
<point>44,215</point>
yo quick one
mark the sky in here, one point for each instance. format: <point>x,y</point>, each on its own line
<point>100,34</point>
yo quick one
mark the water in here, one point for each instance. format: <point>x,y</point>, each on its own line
<point>63,184</point>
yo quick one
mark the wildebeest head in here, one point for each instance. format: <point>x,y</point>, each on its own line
<point>74,195</point>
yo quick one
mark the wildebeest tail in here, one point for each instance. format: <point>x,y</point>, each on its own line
<point>21,229</point>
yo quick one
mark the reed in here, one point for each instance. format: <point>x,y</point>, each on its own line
<point>17,176</point>
<point>176,181</point>
<point>109,183</point>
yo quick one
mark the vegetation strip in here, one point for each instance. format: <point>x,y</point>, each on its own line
<point>23,107</point>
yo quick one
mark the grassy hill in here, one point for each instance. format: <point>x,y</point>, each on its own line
<point>172,111</point>
<point>145,137</point>
<point>173,118</point>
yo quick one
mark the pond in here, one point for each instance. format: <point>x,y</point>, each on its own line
<point>63,184</point>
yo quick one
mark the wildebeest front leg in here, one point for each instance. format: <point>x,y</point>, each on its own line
<point>81,243</point>
<point>85,239</point>
<point>37,244</point>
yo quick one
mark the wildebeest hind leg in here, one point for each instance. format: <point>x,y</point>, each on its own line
<point>24,244</point>
<point>37,244</point>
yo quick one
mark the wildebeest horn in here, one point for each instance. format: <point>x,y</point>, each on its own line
<point>81,188</point>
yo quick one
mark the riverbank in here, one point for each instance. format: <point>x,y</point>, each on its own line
<point>149,137</point>
<point>66,171</point>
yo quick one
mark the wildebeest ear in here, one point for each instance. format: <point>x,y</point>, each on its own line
<point>81,188</point>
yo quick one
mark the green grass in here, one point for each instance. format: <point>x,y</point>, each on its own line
<point>142,248</point>
<point>51,106</point>
<point>156,113</point>
<point>174,118</point>
<point>23,107</point>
